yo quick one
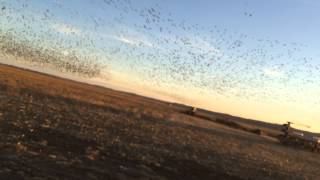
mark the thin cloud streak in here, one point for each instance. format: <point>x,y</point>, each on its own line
<point>67,29</point>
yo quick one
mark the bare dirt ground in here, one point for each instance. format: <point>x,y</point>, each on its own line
<point>52,128</point>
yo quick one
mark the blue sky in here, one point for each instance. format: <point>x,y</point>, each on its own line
<point>214,54</point>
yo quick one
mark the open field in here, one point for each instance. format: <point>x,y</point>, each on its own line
<point>53,128</point>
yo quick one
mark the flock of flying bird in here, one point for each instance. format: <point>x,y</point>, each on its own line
<point>162,50</point>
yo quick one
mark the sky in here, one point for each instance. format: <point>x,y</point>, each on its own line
<point>256,59</point>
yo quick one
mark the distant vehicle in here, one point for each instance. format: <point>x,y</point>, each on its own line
<point>295,138</point>
<point>192,111</point>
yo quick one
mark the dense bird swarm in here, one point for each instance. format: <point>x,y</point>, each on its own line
<point>161,47</point>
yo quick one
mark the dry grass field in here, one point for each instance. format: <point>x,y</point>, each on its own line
<point>53,128</point>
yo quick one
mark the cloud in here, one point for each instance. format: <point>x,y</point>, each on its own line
<point>66,29</point>
<point>194,43</point>
<point>273,72</point>
<point>205,45</point>
<point>127,39</point>
<point>133,41</point>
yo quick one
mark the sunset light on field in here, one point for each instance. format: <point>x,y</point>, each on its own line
<point>256,59</point>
